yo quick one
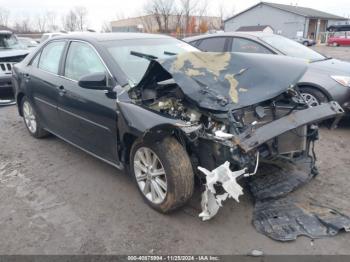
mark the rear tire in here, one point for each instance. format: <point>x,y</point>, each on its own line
<point>176,181</point>
<point>306,43</point>
<point>335,44</point>
<point>31,120</point>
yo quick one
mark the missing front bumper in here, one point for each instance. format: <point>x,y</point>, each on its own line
<point>253,138</point>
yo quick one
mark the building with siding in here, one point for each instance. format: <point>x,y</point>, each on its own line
<point>288,20</point>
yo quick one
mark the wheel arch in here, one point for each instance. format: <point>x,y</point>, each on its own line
<point>316,87</point>
<point>19,99</point>
<point>156,133</point>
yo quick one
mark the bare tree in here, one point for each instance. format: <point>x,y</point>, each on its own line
<point>161,10</point>
<point>166,8</point>
<point>41,23</point>
<point>203,8</point>
<point>51,21</point>
<point>70,21</point>
<point>81,14</point>
<point>151,8</point>
<point>148,23</point>
<point>189,8</point>
<point>178,12</point>
<point>23,25</point>
<point>4,16</point>
<point>202,11</point>
<point>225,11</point>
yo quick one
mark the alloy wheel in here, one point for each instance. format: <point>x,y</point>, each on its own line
<point>150,175</point>
<point>29,117</point>
<point>310,99</point>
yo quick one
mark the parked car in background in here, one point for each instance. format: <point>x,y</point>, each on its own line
<point>47,36</point>
<point>11,51</point>
<point>339,39</point>
<point>27,42</point>
<point>338,28</point>
<point>326,78</point>
<point>162,109</point>
<point>305,41</point>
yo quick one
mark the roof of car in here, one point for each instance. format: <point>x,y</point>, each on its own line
<point>110,36</point>
<point>242,34</point>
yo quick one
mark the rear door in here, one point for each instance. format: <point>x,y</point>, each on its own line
<point>87,116</point>
<point>43,83</point>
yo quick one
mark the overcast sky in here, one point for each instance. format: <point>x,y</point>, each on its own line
<point>106,10</point>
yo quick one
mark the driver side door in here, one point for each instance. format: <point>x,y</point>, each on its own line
<point>88,116</point>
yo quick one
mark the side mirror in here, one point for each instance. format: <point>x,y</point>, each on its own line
<point>97,81</point>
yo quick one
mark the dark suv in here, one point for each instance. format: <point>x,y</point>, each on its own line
<point>10,52</point>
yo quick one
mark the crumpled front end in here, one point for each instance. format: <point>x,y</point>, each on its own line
<point>233,112</point>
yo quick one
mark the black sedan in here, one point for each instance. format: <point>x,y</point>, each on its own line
<point>326,78</point>
<point>167,112</point>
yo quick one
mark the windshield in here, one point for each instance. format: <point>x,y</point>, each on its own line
<point>133,55</point>
<point>291,48</point>
<point>9,42</point>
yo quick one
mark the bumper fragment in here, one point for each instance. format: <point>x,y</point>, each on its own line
<point>253,138</point>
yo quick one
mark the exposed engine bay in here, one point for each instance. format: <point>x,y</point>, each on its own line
<point>233,114</point>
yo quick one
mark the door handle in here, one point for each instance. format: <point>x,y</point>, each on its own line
<point>61,90</point>
<point>26,76</point>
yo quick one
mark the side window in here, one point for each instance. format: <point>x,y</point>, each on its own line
<point>82,60</point>
<point>213,44</point>
<point>248,46</point>
<point>50,57</point>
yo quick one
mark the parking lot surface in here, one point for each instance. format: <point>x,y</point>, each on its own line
<point>339,52</point>
<point>56,199</point>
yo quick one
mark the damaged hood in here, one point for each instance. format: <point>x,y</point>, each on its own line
<point>226,81</point>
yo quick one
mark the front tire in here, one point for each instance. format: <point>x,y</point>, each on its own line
<point>312,96</point>
<point>31,119</point>
<point>163,172</point>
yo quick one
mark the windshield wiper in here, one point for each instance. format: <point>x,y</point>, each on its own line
<point>142,55</point>
<point>169,53</point>
<point>322,59</point>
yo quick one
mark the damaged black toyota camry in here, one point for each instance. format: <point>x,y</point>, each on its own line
<point>168,113</point>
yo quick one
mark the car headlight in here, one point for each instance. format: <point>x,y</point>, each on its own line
<point>343,80</point>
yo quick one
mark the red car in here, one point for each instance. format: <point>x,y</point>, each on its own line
<point>338,40</point>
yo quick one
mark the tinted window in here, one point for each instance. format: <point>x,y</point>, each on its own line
<point>82,60</point>
<point>248,46</point>
<point>50,57</point>
<point>214,44</point>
